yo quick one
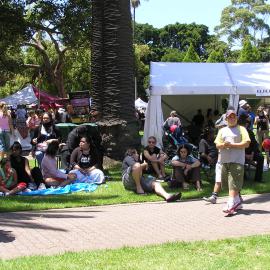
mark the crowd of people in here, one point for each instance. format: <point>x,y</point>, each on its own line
<point>80,155</point>
<point>226,143</point>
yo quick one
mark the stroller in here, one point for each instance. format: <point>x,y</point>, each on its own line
<point>171,144</point>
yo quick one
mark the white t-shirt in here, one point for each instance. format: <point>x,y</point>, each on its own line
<point>234,135</point>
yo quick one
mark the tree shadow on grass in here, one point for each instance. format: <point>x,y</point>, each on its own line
<point>6,236</point>
<point>25,219</point>
<point>60,198</point>
<point>20,203</point>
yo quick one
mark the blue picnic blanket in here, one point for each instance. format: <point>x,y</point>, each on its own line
<point>62,190</point>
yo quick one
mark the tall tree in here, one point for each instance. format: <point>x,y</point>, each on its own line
<point>245,18</point>
<point>112,66</point>
<point>216,57</point>
<point>191,55</point>
<point>65,23</point>
<point>135,4</point>
<point>249,53</point>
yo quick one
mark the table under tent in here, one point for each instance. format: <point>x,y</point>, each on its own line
<point>186,87</point>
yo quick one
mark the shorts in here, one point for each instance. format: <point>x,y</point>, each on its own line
<point>218,172</point>
<point>232,175</point>
<point>129,183</point>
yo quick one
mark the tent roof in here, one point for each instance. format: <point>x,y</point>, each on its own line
<point>208,78</point>
<point>47,100</point>
<point>24,96</point>
<point>139,103</point>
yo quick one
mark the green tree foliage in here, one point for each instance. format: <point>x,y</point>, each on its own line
<point>146,34</point>
<point>245,18</point>
<point>142,54</point>
<point>216,57</point>
<point>249,53</point>
<point>172,55</point>
<point>181,35</point>
<point>12,31</point>
<point>53,28</point>
<point>191,55</point>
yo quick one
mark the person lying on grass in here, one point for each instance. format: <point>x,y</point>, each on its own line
<point>8,179</point>
<point>133,179</point>
<point>53,176</point>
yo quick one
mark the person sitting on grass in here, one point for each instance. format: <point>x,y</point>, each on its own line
<point>8,179</point>
<point>133,179</point>
<point>207,148</point>
<point>84,163</point>
<point>53,176</point>
<point>21,165</point>
<point>155,159</point>
<point>186,168</point>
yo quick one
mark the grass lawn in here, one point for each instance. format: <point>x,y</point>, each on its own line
<point>113,193</point>
<point>244,253</point>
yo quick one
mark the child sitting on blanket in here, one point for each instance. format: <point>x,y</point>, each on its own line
<point>53,176</point>
<point>8,179</point>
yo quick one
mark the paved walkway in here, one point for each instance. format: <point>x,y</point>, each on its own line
<point>76,229</point>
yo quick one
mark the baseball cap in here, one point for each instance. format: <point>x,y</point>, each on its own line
<point>242,102</point>
<point>229,112</point>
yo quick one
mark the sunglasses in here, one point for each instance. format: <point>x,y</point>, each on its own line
<point>152,142</point>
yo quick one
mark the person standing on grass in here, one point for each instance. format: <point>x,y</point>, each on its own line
<point>232,141</point>
<point>133,179</point>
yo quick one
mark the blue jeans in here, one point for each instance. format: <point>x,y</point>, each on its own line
<point>39,156</point>
<point>5,141</point>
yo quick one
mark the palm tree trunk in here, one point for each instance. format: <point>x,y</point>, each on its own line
<point>112,74</point>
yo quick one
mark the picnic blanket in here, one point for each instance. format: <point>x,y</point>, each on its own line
<point>62,190</point>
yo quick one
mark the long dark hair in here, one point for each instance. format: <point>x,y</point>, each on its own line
<point>16,146</point>
<point>52,148</point>
<point>184,146</point>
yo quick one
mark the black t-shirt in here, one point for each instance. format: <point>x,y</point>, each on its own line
<point>18,164</point>
<point>85,161</point>
<point>151,151</point>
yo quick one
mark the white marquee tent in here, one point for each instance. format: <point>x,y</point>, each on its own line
<point>139,103</point>
<point>194,83</point>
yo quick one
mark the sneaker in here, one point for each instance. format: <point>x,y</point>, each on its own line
<point>231,207</point>
<point>41,186</point>
<point>26,190</point>
<point>212,199</point>
<point>32,186</point>
<point>2,194</point>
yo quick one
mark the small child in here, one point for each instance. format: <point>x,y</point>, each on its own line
<point>8,179</point>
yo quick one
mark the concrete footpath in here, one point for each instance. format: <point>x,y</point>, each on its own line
<point>90,228</point>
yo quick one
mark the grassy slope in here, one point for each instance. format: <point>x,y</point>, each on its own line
<point>244,253</point>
